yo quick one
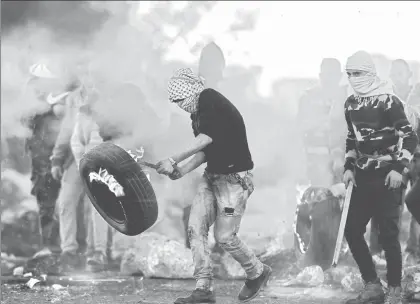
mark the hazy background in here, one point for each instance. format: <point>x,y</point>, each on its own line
<point>273,52</point>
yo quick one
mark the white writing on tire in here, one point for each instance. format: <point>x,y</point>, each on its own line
<point>109,180</point>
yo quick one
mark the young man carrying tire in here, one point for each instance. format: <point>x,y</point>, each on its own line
<point>221,141</point>
<point>375,164</point>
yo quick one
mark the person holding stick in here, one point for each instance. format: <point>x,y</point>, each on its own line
<point>375,164</point>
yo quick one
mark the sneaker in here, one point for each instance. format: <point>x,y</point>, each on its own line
<point>96,262</point>
<point>198,296</point>
<point>252,288</point>
<point>372,293</point>
<point>394,296</point>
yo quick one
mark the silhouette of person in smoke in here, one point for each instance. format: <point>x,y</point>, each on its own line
<point>211,65</point>
<point>44,128</point>
<point>320,120</point>
<point>401,75</point>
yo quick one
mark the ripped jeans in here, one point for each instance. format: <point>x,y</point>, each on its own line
<point>221,200</point>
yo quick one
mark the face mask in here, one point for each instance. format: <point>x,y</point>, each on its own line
<point>189,104</point>
<point>362,84</point>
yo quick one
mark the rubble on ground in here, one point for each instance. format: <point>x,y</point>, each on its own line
<point>155,255</point>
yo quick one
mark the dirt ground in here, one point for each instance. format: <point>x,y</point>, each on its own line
<point>160,292</point>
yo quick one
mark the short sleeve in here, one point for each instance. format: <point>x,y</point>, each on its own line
<point>207,119</point>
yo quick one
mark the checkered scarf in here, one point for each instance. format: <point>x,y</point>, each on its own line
<point>184,89</point>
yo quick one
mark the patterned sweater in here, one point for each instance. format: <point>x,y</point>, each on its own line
<point>375,126</point>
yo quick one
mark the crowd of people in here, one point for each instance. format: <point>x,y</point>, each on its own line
<point>368,136</point>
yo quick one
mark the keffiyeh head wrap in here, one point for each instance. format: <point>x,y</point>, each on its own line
<point>369,84</point>
<point>184,88</point>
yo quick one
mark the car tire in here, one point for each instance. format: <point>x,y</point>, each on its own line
<point>136,210</point>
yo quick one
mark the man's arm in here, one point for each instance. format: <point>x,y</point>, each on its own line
<point>401,124</point>
<point>351,148</point>
<point>198,144</point>
<point>62,147</point>
<point>196,161</point>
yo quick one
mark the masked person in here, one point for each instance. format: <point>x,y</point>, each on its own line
<point>45,127</point>
<point>226,185</point>
<point>375,163</point>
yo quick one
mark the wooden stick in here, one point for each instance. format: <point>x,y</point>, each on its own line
<point>342,225</point>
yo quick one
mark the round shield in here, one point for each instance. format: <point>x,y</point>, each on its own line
<point>119,189</point>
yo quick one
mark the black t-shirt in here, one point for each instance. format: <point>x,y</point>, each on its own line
<point>219,119</point>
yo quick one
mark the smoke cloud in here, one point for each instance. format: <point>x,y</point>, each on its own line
<point>95,41</point>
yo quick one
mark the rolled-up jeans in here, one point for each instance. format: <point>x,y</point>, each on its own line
<point>221,200</point>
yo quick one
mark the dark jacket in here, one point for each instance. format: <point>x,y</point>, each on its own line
<point>45,128</point>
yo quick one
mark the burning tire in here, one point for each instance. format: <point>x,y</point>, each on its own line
<point>119,189</point>
<point>316,227</point>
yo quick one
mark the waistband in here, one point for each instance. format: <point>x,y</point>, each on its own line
<point>241,174</point>
<point>376,156</point>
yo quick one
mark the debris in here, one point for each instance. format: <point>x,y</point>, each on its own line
<point>29,274</point>
<point>352,282</point>
<point>335,275</point>
<point>57,287</point>
<point>310,276</point>
<point>18,271</point>
<point>137,284</point>
<point>32,282</point>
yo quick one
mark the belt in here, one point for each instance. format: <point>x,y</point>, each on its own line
<point>240,177</point>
